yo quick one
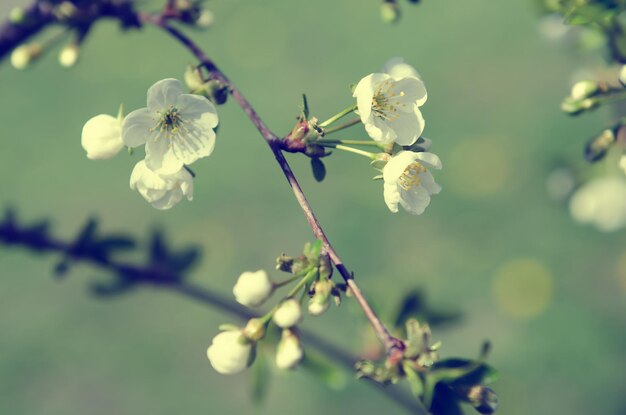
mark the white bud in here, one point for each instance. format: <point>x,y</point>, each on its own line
<point>229,352</point>
<point>288,314</point>
<point>320,301</point>
<point>583,89</point>
<point>69,55</point>
<point>253,288</point>
<point>102,137</point>
<point>289,351</point>
<point>205,19</point>
<point>317,308</point>
<point>23,55</point>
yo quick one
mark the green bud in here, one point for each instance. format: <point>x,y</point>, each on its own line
<point>193,78</point>
<point>390,12</point>
<point>17,15</point>
<point>598,146</point>
<point>255,329</point>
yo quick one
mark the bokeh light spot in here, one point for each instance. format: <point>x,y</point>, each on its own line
<point>479,166</point>
<point>522,288</point>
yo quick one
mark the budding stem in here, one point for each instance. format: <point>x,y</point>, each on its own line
<point>338,116</point>
<point>342,126</point>
<point>350,150</point>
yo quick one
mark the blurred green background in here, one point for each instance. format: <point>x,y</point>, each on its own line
<point>549,293</point>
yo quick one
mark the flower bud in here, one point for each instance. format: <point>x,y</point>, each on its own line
<point>193,78</point>
<point>102,137</point>
<point>255,329</point>
<point>390,11</point>
<point>69,55</point>
<point>23,55</point>
<point>284,263</point>
<point>230,352</point>
<point>289,350</point>
<point>288,314</point>
<point>205,19</point>
<point>253,288</point>
<point>320,301</point>
<point>584,89</point>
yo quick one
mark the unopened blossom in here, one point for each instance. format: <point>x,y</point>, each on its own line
<point>23,55</point>
<point>398,69</point>
<point>288,314</point>
<point>176,128</point>
<point>102,136</point>
<point>69,55</point>
<point>229,353</point>
<point>289,350</point>
<point>407,181</point>
<point>601,203</point>
<point>320,301</point>
<point>389,106</point>
<point>160,190</point>
<point>253,288</point>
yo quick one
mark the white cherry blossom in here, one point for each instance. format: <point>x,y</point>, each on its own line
<point>389,107</point>
<point>176,128</point>
<point>161,191</point>
<point>229,352</point>
<point>408,182</point>
<point>102,136</point>
<point>601,202</point>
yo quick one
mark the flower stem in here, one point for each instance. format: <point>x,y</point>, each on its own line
<point>325,141</point>
<point>349,149</point>
<point>342,126</point>
<point>338,116</point>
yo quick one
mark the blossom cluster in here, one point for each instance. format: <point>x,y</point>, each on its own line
<point>234,348</point>
<point>175,128</point>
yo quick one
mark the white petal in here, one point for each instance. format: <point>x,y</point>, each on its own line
<point>136,127</point>
<point>199,109</point>
<point>164,94</point>
<point>397,164</point>
<point>428,181</point>
<point>429,160</point>
<point>391,194</point>
<point>397,68</point>
<point>364,92</point>
<point>169,199</point>
<point>194,141</point>
<point>379,131</point>
<point>160,156</point>
<point>408,127</point>
<point>411,90</point>
<point>415,200</point>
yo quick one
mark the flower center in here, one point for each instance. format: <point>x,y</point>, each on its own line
<point>169,121</point>
<point>385,103</point>
<point>410,176</point>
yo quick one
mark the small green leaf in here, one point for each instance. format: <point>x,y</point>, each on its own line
<point>260,379</point>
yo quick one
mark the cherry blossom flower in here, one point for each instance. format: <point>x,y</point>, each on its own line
<point>388,104</point>
<point>408,181</point>
<point>161,191</point>
<point>176,128</point>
